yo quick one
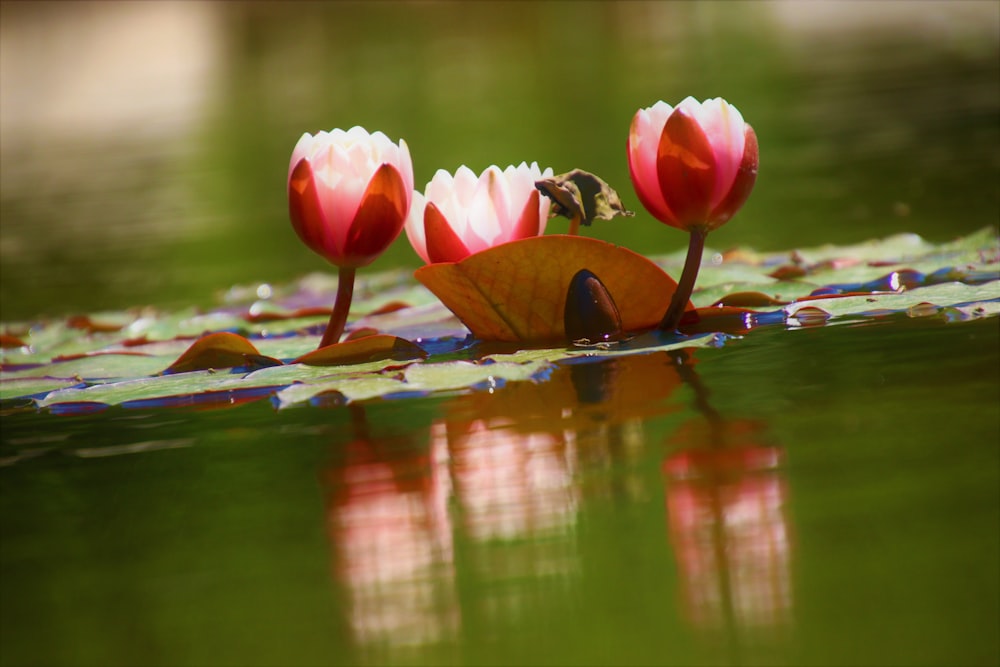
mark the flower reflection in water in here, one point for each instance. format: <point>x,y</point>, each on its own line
<point>508,484</point>
<point>471,525</point>
<point>387,519</point>
<point>726,516</point>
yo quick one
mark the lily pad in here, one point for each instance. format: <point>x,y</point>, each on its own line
<point>116,358</point>
<point>516,292</point>
<point>220,350</point>
<point>369,348</point>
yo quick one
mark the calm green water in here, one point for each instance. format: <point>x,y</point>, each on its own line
<point>845,511</point>
<point>814,496</point>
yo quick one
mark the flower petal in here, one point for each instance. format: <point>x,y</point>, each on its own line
<point>643,141</point>
<point>723,124</point>
<point>746,176</point>
<point>379,219</point>
<point>484,225</point>
<point>414,226</point>
<point>443,244</point>
<point>306,213</point>
<point>685,167</point>
<point>529,223</point>
<point>303,149</point>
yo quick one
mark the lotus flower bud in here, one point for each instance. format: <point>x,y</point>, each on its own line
<point>349,194</point>
<point>693,165</point>
<point>463,214</point>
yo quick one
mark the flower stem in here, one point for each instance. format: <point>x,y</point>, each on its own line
<point>574,225</point>
<point>342,306</point>
<point>696,246</point>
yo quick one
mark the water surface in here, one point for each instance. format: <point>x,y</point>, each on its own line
<point>813,496</point>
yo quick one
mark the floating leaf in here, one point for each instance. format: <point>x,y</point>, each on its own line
<point>516,292</point>
<point>7,340</point>
<point>417,378</point>
<point>361,350</point>
<point>28,386</point>
<point>748,300</point>
<point>351,388</point>
<point>220,350</point>
<point>948,294</point>
<point>158,387</point>
<point>788,272</point>
<point>98,367</point>
<point>257,316</point>
<point>85,323</point>
<point>77,370</point>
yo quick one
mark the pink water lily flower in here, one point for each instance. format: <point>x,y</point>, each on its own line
<point>463,214</point>
<point>348,197</point>
<point>349,193</point>
<point>693,165</point>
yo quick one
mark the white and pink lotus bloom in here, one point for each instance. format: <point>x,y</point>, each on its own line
<point>693,165</point>
<point>349,193</point>
<point>348,197</point>
<point>463,214</point>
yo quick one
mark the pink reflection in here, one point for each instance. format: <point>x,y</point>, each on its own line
<point>389,525</point>
<point>508,484</point>
<point>727,522</point>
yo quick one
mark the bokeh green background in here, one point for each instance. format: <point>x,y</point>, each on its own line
<point>144,154</point>
<point>145,145</point>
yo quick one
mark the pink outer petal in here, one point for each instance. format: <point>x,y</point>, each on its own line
<point>443,245</point>
<point>405,166</point>
<point>685,167</point>
<point>743,182</point>
<point>414,226</point>
<point>303,149</point>
<point>306,213</point>
<point>644,138</point>
<point>528,224</point>
<point>723,124</point>
<point>379,219</point>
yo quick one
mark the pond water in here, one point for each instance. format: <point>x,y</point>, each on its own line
<point>802,495</point>
<point>825,495</point>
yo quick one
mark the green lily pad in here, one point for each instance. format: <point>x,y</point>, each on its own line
<point>116,357</point>
<point>947,294</point>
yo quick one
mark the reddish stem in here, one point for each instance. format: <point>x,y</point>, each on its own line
<point>696,246</point>
<point>574,226</point>
<point>342,306</point>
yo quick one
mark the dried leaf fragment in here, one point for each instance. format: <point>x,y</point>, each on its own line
<point>582,196</point>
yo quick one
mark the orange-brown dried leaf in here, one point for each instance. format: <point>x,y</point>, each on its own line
<point>748,300</point>
<point>390,307</point>
<point>220,350</point>
<point>788,272</point>
<point>314,311</point>
<point>516,292</point>
<point>361,333</point>
<point>90,326</point>
<point>369,348</point>
<point>7,340</point>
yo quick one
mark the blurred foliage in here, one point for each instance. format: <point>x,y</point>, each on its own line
<point>862,133</point>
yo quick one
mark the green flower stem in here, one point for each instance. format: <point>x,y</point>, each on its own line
<point>696,246</point>
<point>342,306</point>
